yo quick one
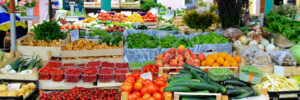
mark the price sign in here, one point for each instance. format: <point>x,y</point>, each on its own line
<point>279,70</point>
<point>15,86</point>
<point>146,76</point>
<point>74,35</point>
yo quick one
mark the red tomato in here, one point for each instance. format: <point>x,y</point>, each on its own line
<point>136,75</point>
<point>160,83</point>
<point>147,82</point>
<point>151,98</point>
<point>126,87</point>
<point>161,89</point>
<point>139,98</point>
<point>144,90</point>
<point>139,80</point>
<point>136,93</point>
<point>62,27</point>
<point>130,79</point>
<point>167,94</point>
<point>146,96</point>
<point>157,96</point>
<point>137,86</point>
<point>134,96</point>
<point>152,88</point>
<point>161,78</point>
<point>130,97</point>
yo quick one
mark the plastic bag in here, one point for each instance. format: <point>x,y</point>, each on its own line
<point>255,57</point>
<point>283,57</point>
<point>140,55</point>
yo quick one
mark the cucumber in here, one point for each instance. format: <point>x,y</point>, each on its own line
<point>205,77</point>
<point>184,83</point>
<point>187,66</point>
<point>221,88</point>
<point>177,89</point>
<point>195,75</point>
<point>235,83</point>
<point>230,87</point>
<point>247,94</point>
<point>203,86</point>
<point>202,91</point>
<point>198,98</point>
<point>180,76</point>
<point>194,95</point>
<point>235,92</point>
<point>184,71</point>
<point>180,79</point>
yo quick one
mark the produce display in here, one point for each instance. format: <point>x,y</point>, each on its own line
<point>167,28</point>
<point>277,82</point>
<point>24,90</point>
<point>250,74</point>
<point>210,38</point>
<point>221,60</point>
<point>172,42</point>
<point>135,18</point>
<point>141,40</point>
<point>22,66</point>
<point>48,31</point>
<point>149,17</point>
<point>87,45</point>
<point>81,93</point>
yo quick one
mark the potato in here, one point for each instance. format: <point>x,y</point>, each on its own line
<point>26,94</point>
<point>3,88</point>
<point>31,86</point>
<point>3,93</point>
<point>12,93</point>
<point>21,91</point>
<point>25,87</point>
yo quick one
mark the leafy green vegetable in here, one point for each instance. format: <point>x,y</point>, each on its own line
<point>295,51</point>
<point>48,31</point>
<point>111,40</point>
<point>172,42</point>
<point>287,10</point>
<point>99,33</point>
<point>220,74</point>
<point>146,6</point>
<point>283,25</point>
<point>167,28</point>
<point>210,38</point>
<point>141,40</point>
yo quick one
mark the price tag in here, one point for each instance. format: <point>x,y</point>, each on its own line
<point>146,76</point>
<point>278,70</point>
<point>15,86</point>
<point>74,35</point>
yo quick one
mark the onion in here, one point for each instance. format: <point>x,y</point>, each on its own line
<point>261,47</point>
<point>264,42</point>
<point>253,43</point>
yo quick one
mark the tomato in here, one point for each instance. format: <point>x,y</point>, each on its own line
<point>126,87</point>
<point>161,78</point>
<point>151,98</point>
<point>134,95</point>
<point>147,82</point>
<point>130,79</point>
<point>167,94</point>
<point>139,79</point>
<point>146,96</point>
<point>152,88</point>
<point>157,96</point>
<point>138,86</point>
<point>137,93</point>
<point>130,97</point>
<point>161,89</point>
<point>139,98</point>
<point>160,83</point>
<point>144,90</point>
<point>136,75</point>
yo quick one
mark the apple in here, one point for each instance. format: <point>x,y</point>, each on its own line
<point>172,50</point>
<point>186,55</point>
<point>179,52</point>
<point>193,56</point>
<point>180,63</point>
<point>190,61</point>
<point>159,63</point>
<point>173,63</point>
<point>201,57</point>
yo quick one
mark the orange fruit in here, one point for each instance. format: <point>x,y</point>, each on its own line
<point>181,47</point>
<point>226,54</point>
<point>226,63</point>
<point>234,64</point>
<point>203,63</point>
<point>229,58</point>
<point>220,61</point>
<point>215,65</point>
<point>214,56</point>
<point>160,56</point>
<point>237,58</point>
<point>221,54</point>
<point>209,61</point>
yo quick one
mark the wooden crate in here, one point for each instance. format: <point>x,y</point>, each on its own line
<point>98,52</point>
<point>218,96</point>
<point>109,84</point>
<point>289,71</point>
<point>43,52</point>
<point>161,69</point>
<point>125,96</point>
<point>51,85</point>
<point>79,61</point>
<point>9,56</point>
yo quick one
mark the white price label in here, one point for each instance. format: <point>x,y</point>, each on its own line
<point>146,76</point>
<point>278,70</point>
<point>15,86</point>
<point>74,35</point>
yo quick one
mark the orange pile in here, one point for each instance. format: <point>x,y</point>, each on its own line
<point>221,60</point>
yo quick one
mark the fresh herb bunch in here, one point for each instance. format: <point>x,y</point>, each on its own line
<point>111,40</point>
<point>48,31</point>
<point>230,12</point>
<point>210,38</point>
<point>167,28</point>
<point>146,6</point>
<point>283,25</point>
<point>141,40</point>
<point>98,32</point>
<point>172,42</point>
<point>195,20</point>
<point>213,8</point>
<point>286,10</point>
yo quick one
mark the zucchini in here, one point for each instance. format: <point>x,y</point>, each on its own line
<point>177,89</point>
<point>235,83</point>
<point>235,92</point>
<point>184,83</point>
<point>187,66</point>
<point>195,75</point>
<point>184,71</point>
<point>221,88</point>
<point>194,95</point>
<point>203,86</point>
<point>198,98</point>
<point>180,76</point>
<point>180,79</point>
<point>247,94</point>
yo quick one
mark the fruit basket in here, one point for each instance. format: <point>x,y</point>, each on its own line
<point>106,74</point>
<point>57,75</point>
<point>120,74</point>
<point>89,74</point>
<point>72,75</point>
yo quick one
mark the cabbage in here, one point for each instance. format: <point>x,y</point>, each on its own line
<point>295,51</point>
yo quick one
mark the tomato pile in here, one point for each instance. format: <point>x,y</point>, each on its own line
<point>149,17</point>
<point>140,89</point>
<point>117,17</point>
<point>150,68</point>
<point>80,93</point>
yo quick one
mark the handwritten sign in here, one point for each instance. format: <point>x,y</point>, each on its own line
<point>146,76</point>
<point>15,86</point>
<point>278,70</point>
<point>74,35</point>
